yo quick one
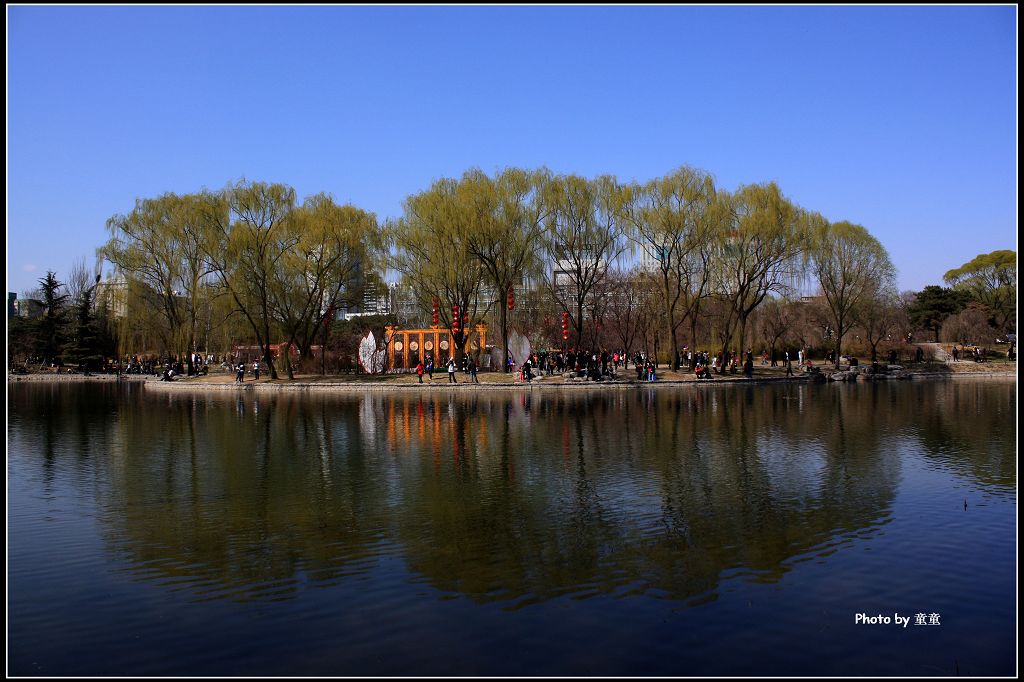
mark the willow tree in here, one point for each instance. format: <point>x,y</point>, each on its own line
<point>672,220</point>
<point>431,251</point>
<point>851,266</point>
<point>511,213</point>
<point>759,251</point>
<point>991,278</point>
<point>245,237</point>
<point>333,249</point>
<point>584,234</point>
<point>157,247</point>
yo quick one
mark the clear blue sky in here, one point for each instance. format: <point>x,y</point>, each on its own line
<point>902,119</point>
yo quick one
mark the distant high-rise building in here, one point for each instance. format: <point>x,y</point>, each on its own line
<point>112,292</point>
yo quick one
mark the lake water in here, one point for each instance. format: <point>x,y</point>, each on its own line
<point>711,530</point>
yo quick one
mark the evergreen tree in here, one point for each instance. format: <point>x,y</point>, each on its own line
<point>51,333</point>
<point>86,346</point>
<point>933,304</point>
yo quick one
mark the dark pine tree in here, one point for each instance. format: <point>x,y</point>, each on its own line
<point>86,346</point>
<point>51,325</point>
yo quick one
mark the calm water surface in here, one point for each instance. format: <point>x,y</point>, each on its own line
<point>695,531</point>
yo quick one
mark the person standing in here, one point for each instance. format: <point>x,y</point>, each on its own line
<point>451,371</point>
<point>256,370</point>
<point>240,372</point>
<point>430,366</point>
<point>472,371</point>
<point>419,371</point>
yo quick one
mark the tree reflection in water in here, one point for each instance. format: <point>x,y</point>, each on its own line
<point>516,498</point>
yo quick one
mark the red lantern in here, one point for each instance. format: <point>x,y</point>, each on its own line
<point>565,326</point>
<point>434,316</point>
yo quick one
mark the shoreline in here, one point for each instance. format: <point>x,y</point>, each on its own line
<point>226,382</point>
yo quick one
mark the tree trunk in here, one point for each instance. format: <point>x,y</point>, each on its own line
<point>840,332</point>
<point>267,357</point>
<point>579,326</point>
<point>693,338</point>
<point>504,337</point>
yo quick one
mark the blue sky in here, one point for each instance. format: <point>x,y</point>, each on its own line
<point>902,119</point>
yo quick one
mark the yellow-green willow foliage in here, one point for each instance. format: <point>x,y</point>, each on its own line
<point>511,211</point>
<point>334,252</point>
<point>584,235</point>
<point>432,246</point>
<point>761,250</point>
<point>156,250</point>
<point>991,278</point>
<point>282,267</point>
<point>674,221</point>
<point>852,267</point>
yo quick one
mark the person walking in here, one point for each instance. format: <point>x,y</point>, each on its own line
<point>419,371</point>
<point>472,371</point>
<point>789,365</point>
<point>451,371</point>
<point>430,366</point>
<point>240,372</point>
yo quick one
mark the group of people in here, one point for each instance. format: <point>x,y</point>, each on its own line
<point>240,371</point>
<point>977,354</point>
<point>469,366</point>
<point>172,366</point>
<point>704,364</point>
